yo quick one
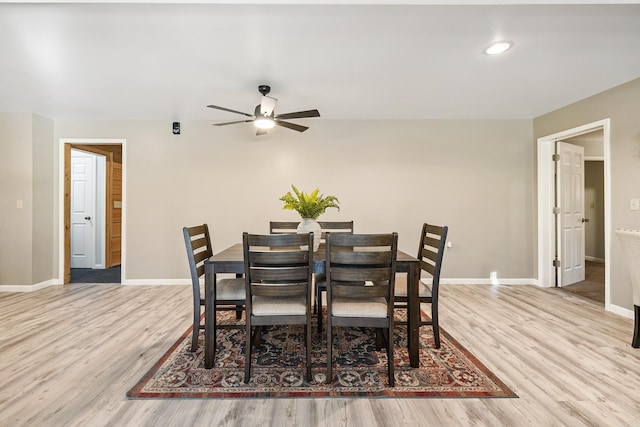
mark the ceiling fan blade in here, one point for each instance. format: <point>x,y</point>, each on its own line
<point>267,105</point>
<point>293,126</point>
<point>299,114</point>
<point>232,123</point>
<point>230,110</point>
<point>261,132</point>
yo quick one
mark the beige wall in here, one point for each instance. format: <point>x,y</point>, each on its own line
<point>43,200</point>
<point>475,176</point>
<point>16,179</point>
<point>622,105</point>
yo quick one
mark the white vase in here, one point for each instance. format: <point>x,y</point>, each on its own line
<point>310,225</point>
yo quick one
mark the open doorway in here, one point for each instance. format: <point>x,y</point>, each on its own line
<point>88,200</point>
<point>97,260</point>
<point>594,137</point>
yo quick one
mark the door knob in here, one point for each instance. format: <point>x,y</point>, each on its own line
<point>585,219</point>
<point>88,218</point>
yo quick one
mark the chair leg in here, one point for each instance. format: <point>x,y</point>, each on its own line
<point>319,307</point>
<point>435,325</point>
<point>238,312</point>
<point>247,351</point>
<point>379,339</point>
<point>315,297</point>
<point>196,328</point>
<point>390,364</point>
<point>636,328</point>
<point>307,333</point>
<point>329,351</point>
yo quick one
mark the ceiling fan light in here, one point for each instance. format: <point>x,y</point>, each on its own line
<point>498,48</point>
<point>264,123</point>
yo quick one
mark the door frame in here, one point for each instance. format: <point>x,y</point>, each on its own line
<point>546,197</point>
<point>64,192</point>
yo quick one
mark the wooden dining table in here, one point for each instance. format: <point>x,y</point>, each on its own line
<point>231,260</point>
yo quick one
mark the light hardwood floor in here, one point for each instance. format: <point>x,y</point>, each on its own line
<point>68,355</point>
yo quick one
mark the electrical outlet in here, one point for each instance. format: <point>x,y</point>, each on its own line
<point>634,204</point>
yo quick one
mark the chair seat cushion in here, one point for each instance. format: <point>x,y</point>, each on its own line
<point>230,289</point>
<point>361,307</point>
<point>424,288</point>
<point>279,306</point>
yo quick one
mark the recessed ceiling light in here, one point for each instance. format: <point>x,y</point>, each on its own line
<point>498,47</point>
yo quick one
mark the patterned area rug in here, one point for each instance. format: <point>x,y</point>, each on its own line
<point>278,368</point>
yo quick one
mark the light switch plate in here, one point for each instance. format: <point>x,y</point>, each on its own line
<point>634,204</point>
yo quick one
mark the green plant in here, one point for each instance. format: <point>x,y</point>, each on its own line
<point>309,205</point>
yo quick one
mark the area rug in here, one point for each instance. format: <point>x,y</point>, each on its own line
<point>278,368</point>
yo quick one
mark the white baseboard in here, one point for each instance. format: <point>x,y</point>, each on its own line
<point>151,282</point>
<point>130,282</point>
<point>486,281</point>
<point>621,311</point>
<point>29,288</point>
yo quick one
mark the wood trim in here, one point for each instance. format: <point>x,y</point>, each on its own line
<point>114,216</point>
<point>67,213</point>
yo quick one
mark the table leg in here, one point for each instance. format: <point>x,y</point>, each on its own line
<point>413,313</point>
<point>209,318</point>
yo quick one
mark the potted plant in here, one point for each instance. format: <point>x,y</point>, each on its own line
<point>310,207</point>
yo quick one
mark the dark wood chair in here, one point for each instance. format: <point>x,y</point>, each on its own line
<point>360,271</point>
<point>278,280</point>
<point>283,227</point>
<point>288,227</point>
<point>630,241</point>
<point>430,254</point>
<point>230,293</point>
<point>320,278</point>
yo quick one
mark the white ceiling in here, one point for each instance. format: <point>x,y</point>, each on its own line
<point>384,61</point>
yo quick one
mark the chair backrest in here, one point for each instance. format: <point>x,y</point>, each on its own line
<point>198,243</point>
<point>290,227</point>
<point>283,227</point>
<point>361,265</point>
<point>335,227</point>
<point>431,251</point>
<point>276,264</point>
<point>630,241</point>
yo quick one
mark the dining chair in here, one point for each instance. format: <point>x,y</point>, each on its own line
<point>630,241</point>
<point>283,227</point>
<point>430,254</point>
<point>360,271</point>
<point>320,278</point>
<point>280,227</point>
<point>278,279</point>
<point>229,292</point>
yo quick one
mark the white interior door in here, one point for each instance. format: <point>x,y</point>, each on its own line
<point>83,206</point>
<point>570,188</point>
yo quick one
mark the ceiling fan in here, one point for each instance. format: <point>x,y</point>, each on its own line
<point>264,117</point>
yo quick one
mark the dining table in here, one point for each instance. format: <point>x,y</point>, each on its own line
<point>231,260</point>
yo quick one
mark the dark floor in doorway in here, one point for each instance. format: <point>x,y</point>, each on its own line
<point>89,275</point>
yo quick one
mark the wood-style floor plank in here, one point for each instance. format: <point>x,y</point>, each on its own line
<point>68,355</point>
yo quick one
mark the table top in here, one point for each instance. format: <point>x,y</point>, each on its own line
<point>231,259</point>
<point>234,253</point>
